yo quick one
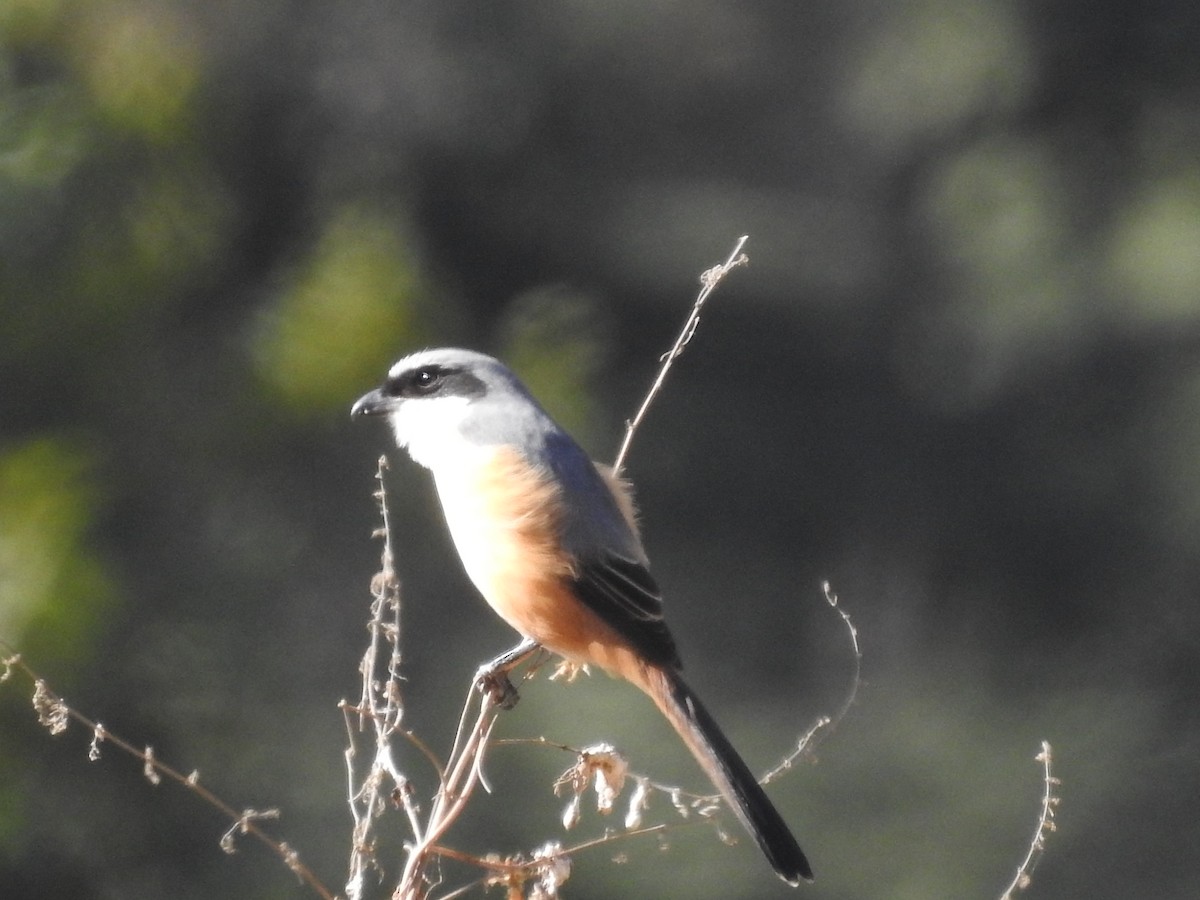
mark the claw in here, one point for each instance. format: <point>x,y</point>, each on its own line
<point>492,678</point>
<point>498,687</point>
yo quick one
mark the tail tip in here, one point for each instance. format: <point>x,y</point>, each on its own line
<point>795,871</point>
<point>797,879</point>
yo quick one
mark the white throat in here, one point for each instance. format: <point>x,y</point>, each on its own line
<point>429,428</point>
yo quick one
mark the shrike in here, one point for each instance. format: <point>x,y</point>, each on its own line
<point>549,539</point>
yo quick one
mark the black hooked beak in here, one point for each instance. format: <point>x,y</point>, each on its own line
<point>375,403</point>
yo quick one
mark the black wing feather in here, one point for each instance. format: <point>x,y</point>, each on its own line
<point>624,594</point>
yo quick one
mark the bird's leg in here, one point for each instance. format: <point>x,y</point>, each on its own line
<point>492,677</point>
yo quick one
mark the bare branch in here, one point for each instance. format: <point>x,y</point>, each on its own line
<point>825,725</point>
<point>463,774</point>
<point>708,281</point>
<point>1045,825</point>
<point>55,713</point>
<point>381,707</point>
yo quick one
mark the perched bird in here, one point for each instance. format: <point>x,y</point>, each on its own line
<point>549,539</point>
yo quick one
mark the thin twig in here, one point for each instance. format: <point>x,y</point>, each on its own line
<point>1045,825</point>
<point>708,281</point>
<point>825,725</point>
<point>464,772</point>
<point>519,869</point>
<point>54,713</point>
<point>381,705</point>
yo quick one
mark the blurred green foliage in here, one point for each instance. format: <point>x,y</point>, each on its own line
<point>109,206</point>
<point>1153,255</point>
<point>55,591</point>
<point>926,67</point>
<point>556,339</point>
<point>140,65</point>
<point>340,319</point>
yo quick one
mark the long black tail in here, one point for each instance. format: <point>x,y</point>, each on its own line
<point>728,772</point>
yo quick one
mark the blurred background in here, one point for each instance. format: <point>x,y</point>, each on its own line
<point>960,379</point>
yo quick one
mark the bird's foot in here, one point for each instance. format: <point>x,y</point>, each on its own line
<point>496,686</point>
<point>492,678</point>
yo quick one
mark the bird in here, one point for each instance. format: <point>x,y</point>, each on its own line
<point>550,539</point>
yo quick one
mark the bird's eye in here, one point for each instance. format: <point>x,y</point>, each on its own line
<point>423,381</point>
<point>426,380</point>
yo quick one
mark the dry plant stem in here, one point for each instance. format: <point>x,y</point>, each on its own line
<point>825,725</point>
<point>1045,825</point>
<point>54,713</point>
<point>381,706</point>
<point>515,868</point>
<point>709,281</point>
<point>386,590</point>
<point>463,774</point>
